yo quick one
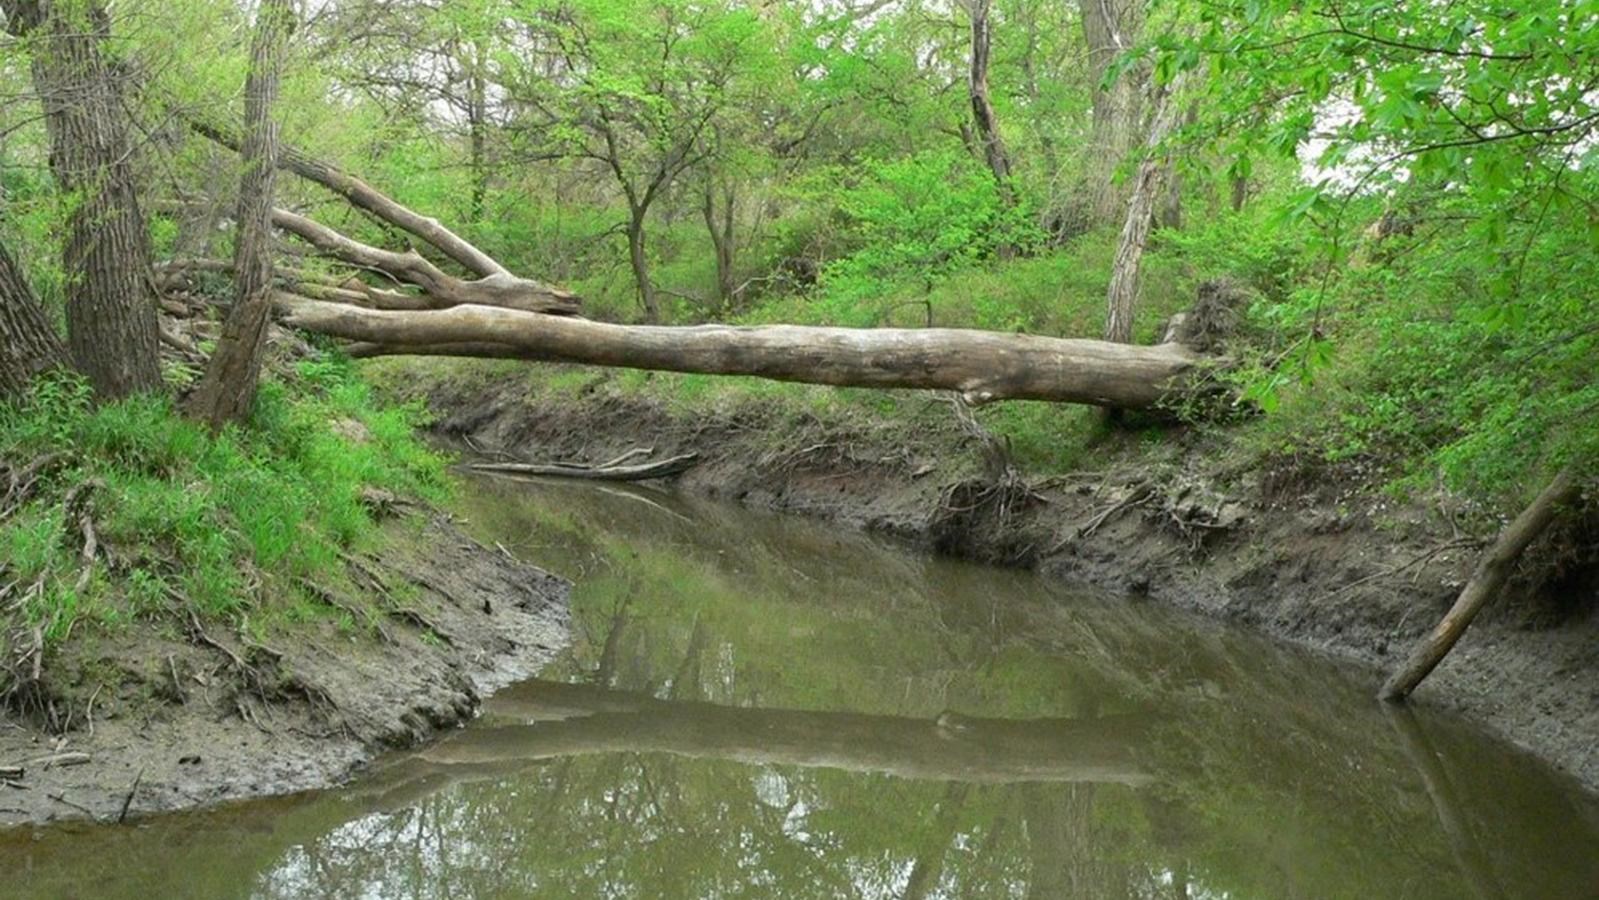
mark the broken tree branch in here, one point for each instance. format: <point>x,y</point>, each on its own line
<point>442,289</point>
<point>367,198</point>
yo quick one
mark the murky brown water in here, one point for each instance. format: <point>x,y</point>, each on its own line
<point>759,707</point>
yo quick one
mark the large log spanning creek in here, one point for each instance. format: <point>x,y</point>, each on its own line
<point>755,705</point>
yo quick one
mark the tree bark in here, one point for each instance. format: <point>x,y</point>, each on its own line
<point>1489,578</point>
<point>983,116</point>
<point>227,390</point>
<point>442,289</point>
<point>1122,295</point>
<point>367,198</point>
<point>1110,28</point>
<point>28,343</point>
<point>111,315</point>
<point>983,366</point>
<point>640,260</point>
<point>720,228</point>
<point>477,127</point>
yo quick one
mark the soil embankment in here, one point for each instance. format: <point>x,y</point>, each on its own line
<point>1317,562</point>
<point>173,715</point>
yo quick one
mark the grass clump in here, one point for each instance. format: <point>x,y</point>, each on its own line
<point>233,525</point>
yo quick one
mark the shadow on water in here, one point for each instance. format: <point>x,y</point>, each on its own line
<point>756,706</point>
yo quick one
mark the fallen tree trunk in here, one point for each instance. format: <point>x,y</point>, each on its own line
<point>665,468</point>
<point>983,366</point>
<point>1486,582</point>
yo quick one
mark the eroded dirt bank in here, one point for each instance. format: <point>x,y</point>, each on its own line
<point>176,714</point>
<point>1313,562</point>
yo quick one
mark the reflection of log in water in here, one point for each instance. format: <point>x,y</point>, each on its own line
<point>1469,857</point>
<point>571,720</point>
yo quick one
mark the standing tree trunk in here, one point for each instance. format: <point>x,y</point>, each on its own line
<point>111,314</point>
<point>28,343</point>
<point>720,228</point>
<point>228,389</point>
<point>477,115</point>
<point>1123,292</point>
<point>641,264</point>
<point>983,116</point>
<point>1110,28</point>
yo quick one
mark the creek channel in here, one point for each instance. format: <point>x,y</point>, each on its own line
<point>754,705</point>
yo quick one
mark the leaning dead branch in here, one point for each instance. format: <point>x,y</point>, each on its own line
<point>1491,574</point>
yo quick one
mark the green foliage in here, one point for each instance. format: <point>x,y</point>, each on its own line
<point>229,523</point>
<point>915,221</point>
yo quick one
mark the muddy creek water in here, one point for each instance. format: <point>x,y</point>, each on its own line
<point>756,706</point>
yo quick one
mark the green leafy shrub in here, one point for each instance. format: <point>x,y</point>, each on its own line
<point>230,523</point>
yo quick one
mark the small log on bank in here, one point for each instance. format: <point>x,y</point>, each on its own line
<point>664,468</point>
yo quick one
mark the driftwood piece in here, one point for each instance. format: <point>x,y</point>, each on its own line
<point>1492,571</point>
<point>664,468</point>
<point>983,366</point>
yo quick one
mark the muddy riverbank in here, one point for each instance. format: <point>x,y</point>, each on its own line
<point>168,715</point>
<point>1315,562</point>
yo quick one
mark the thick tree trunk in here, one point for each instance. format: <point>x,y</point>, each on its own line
<point>28,343</point>
<point>640,260</point>
<point>1110,28</point>
<point>1486,582</point>
<point>1122,295</point>
<point>111,314</point>
<point>982,365</point>
<point>372,201</point>
<point>227,390</point>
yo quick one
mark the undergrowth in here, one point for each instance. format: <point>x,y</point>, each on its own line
<point>236,525</point>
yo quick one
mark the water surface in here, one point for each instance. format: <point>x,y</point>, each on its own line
<point>754,706</point>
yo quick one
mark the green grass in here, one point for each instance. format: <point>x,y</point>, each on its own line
<point>228,525</point>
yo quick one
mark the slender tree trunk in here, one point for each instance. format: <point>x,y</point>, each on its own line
<point>1122,295</point>
<point>720,228</point>
<point>1486,582</point>
<point>477,124</point>
<point>1171,202</point>
<point>28,343</point>
<point>983,116</point>
<point>641,265</point>
<point>228,389</point>
<point>1240,192</point>
<point>1110,28</point>
<point>111,314</point>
